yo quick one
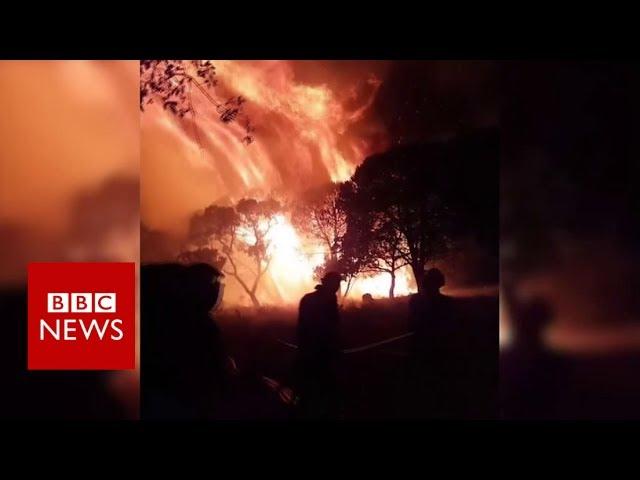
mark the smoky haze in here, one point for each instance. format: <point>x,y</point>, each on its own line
<point>315,122</point>
<point>66,127</point>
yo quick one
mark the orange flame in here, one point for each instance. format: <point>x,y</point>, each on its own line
<point>310,118</point>
<point>304,137</point>
<point>293,260</point>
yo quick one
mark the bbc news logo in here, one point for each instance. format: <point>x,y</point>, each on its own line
<point>81,303</point>
<point>81,316</point>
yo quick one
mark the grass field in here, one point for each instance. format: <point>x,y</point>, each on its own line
<point>371,380</point>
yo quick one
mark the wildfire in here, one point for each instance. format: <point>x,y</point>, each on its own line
<point>291,266</point>
<point>306,125</point>
<point>293,260</point>
<point>378,285</point>
<point>309,119</point>
<point>307,134</point>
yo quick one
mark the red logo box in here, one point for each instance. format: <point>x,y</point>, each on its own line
<point>81,316</point>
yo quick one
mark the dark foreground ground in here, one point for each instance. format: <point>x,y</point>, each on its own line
<point>43,395</point>
<point>372,381</point>
<point>591,385</point>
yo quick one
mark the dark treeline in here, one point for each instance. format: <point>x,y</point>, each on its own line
<point>411,205</point>
<point>420,201</point>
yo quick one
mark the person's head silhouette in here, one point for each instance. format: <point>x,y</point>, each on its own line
<point>432,281</point>
<point>202,285</point>
<point>531,322</point>
<point>331,281</point>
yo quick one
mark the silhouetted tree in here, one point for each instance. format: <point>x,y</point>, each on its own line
<point>171,82</point>
<point>427,197</point>
<point>387,247</point>
<point>390,195</point>
<point>319,215</point>
<point>372,241</point>
<point>355,258</point>
<point>241,229</point>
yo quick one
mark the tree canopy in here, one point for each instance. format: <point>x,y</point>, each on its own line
<point>171,83</point>
<point>411,204</point>
<point>243,228</point>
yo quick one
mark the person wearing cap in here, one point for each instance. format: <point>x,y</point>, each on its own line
<point>429,309</point>
<point>431,321</point>
<point>318,348</point>
<point>183,354</point>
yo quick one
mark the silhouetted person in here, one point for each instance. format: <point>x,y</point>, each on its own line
<point>367,300</point>
<point>530,374</point>
<point>34,395</point>
<point>318,349</point>
<point>433,351</point>
<point>429,313</point>
<point>183,361</point>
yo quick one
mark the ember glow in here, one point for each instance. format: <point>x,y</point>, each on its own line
<point>313,117</point>
<point>294,258</point>
<point>310,129</point>
<point>291,266</point>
